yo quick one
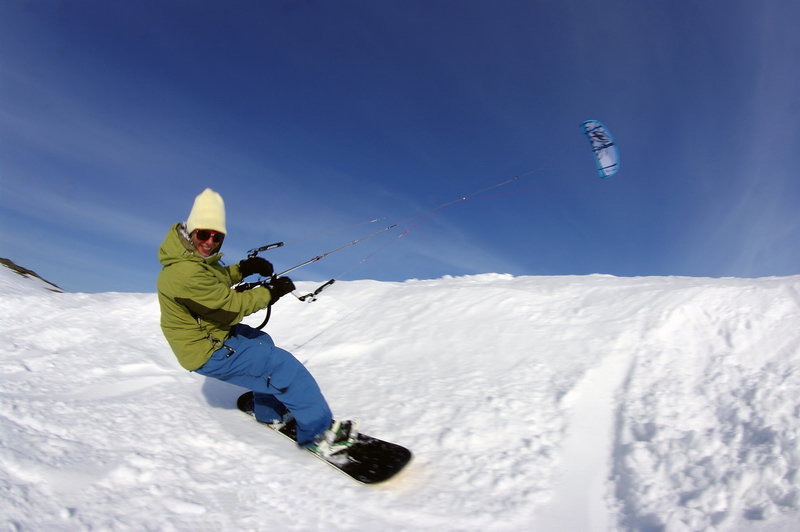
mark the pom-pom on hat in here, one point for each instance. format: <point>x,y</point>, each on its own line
<point>208,212</point>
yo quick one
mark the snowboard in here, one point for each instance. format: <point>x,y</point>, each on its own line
<point>368,461</point>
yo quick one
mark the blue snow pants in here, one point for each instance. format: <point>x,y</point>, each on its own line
<point>278,380</point>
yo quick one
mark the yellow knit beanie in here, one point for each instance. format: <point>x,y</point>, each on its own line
<point>208,212</point>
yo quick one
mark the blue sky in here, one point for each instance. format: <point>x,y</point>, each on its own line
<point>311,116</point>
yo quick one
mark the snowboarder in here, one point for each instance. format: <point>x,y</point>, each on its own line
<point>201,315</point>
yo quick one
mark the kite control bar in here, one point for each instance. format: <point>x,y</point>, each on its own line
<point>310,297</point>
<point>253,252</point>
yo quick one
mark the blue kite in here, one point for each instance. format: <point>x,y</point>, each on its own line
<point>605,150</point>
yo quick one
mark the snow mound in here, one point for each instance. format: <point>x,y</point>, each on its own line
<point>531,403</point>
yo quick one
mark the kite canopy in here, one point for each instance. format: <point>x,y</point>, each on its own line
<point>605,150</point>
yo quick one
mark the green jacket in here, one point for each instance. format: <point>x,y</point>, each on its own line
<point>198,306</point>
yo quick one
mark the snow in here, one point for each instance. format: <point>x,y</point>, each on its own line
<point>574,404</point>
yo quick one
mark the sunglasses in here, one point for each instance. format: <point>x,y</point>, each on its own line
<point>203,235</point>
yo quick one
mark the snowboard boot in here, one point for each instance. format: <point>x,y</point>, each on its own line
<point>246,403</point>
<point>288,420</point>
<point>339,437</point>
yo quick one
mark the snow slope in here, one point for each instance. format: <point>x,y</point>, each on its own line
<point>531,403</point>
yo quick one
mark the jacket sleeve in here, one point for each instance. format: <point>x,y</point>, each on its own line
<point>208,295</point>
<point>234,273</point>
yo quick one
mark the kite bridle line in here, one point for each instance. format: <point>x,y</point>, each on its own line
<point>310,297</point>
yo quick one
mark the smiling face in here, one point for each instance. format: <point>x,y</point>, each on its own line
<point>207,242</point>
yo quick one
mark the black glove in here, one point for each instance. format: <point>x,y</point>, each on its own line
<point>279,287</point>
<point>257,265</point>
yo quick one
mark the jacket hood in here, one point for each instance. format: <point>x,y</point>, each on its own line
<point>177,247</point>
